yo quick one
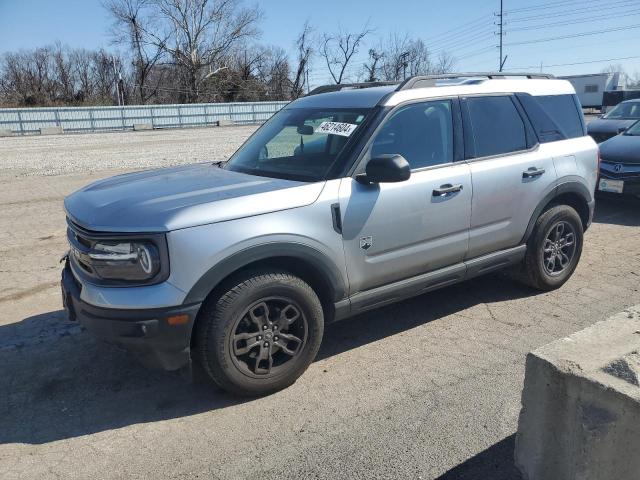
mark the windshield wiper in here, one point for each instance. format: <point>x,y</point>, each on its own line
<point>219,163</point>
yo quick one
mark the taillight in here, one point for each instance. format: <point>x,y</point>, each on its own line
<point>598,170</point>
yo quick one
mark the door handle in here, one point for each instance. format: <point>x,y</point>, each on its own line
<point>533,172</point>
<point>446,189</point>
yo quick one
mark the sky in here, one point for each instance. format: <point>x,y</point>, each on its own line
<point>573,32</point>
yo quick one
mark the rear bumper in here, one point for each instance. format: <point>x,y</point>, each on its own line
<point>146,332</point>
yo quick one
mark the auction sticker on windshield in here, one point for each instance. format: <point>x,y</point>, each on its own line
<point>336,128</point>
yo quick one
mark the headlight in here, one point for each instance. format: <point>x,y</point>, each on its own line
<point>119,259</point>
<point>125,260</point>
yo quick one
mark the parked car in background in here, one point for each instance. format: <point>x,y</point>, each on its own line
<point>620,164</point>
<point>615,122</point>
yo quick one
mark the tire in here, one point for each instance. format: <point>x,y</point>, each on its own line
<point>536,271</point>
<point>234,327</point>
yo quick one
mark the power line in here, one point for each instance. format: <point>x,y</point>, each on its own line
<point>464,26</point>
<point>553,5</point>
<point>631,13</point>
<point>576,63</point>
<point>573,12</point>
<point>477,52</point>
<point>461,36</point>
<point>471,42</point>
<point>583,34</point>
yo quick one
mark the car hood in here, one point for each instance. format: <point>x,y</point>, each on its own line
<point>181,197</point>
<point>604,125</point>
<point>621,149</point>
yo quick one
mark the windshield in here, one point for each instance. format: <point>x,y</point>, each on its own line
<point>634,130</point>
<point>298,143</point>
<point>625,111</point>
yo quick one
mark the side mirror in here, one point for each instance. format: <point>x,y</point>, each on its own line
<point>386,169</point>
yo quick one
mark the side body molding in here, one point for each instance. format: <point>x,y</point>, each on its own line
<point>309,255</point>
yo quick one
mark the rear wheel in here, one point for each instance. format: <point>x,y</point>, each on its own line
<point>554,249</point>
<point>261,334</point>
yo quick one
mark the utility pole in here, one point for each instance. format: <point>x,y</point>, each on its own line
<point>118,76</point>
<point>306,74</point>
<point>405,64</point>
<point>502,59</point>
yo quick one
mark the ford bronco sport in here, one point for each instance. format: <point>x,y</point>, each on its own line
<point>350,198</point>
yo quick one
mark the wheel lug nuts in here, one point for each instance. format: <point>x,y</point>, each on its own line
<point>264,327</point>
<point>266,344</point>
<point>275,327</point>
<point>275,338</point>
<point>259,337</point>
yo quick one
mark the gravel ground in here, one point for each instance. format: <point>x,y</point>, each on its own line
<point>426,388</point>
<point>92,152</point>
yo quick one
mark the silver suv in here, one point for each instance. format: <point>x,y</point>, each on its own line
<point>350,198</point>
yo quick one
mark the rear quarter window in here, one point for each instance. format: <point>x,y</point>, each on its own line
<point>565,112</point>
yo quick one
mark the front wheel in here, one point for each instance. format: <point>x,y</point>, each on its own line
<point>261,334</point>
<point>554,249</point>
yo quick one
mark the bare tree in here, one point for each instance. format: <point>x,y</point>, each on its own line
<point>445,64</point>
<point>273,73</point>
<point>16,87</point>
<point>82,64</point>
<point>201,33</point>
<point>104,75</point>
<point>371,68</point>
<point>63,78</point>
<point>339,49</point>
<point>56,75</point>
<point>405,56</point>
<point>614,68</point>
<point>304,52</point>
<point>27,77</point>
<point>132,24</point>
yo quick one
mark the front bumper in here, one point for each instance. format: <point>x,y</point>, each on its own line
<point>147,333</point>
<point>631,181</point>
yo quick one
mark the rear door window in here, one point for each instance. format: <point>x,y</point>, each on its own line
<point>497,126</point>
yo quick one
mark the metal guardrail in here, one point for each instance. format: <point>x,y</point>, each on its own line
<point>101,119</point>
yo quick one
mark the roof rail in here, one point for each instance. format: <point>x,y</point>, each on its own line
<point>348,86</point>
<point>422,81</point>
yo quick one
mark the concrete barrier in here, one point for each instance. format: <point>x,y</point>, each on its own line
<point>51,131</point>
<point>580,415</point>
<point>5,133</point>
<point>138,127</point>
<point>225,123</point>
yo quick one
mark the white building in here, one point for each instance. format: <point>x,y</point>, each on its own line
<point>590,88</point>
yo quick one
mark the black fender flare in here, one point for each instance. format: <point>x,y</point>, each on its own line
<point>567,187</point>
<point>311,256</point>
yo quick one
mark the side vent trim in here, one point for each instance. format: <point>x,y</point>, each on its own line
<point>336,216</point>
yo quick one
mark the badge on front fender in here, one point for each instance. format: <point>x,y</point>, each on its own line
<point>366,243</point>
